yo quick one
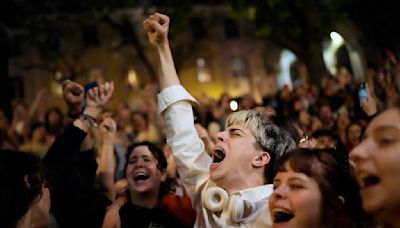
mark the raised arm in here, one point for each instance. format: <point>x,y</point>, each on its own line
<point>174,103</point>
<point>157,26</point>
<point>77,199</point>
<point>107,163</point>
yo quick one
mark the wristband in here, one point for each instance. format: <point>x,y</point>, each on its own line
<point>91,121</point>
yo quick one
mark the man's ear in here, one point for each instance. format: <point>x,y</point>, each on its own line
<point>261,159</point>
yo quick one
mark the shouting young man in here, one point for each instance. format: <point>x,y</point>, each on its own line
<point>229,189</point>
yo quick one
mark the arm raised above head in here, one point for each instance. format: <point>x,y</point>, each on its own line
<point>173,102</point>
<point>157,26</point>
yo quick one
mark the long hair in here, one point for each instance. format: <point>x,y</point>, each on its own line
<point>22,176</point>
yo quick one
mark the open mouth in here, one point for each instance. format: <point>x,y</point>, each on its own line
<point>141,177</point>
<point>282,215</point>
<point>219,155</point>
<point>370,180</point>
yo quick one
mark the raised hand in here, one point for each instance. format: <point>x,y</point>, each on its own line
<point>73,96</point>
<point>369,106</point>
<point>157,26</point>
<point>97,97</point>
<point>108,129</point>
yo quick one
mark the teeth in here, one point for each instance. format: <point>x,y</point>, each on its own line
<point>219,150</point>
<point>140,174</point>
<point>281,210</point>
<point>219,154</point>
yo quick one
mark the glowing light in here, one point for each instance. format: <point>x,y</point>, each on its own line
<point>233,105</point>
<point>336,38</point>
<point>132,78</point>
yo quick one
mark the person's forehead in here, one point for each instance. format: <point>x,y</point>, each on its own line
<point>389,118</point>
<point>289,172</point>
<point>142,150</point>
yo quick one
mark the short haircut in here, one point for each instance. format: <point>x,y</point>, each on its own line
<point>275,135</point>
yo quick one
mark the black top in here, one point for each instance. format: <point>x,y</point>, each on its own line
<point>75,201</point>
<point>133,216</point>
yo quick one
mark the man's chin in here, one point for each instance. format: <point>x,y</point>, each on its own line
<point>215,175</point>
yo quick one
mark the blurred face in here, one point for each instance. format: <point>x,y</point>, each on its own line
<point>139,122</point>
<point>304,117</point>
<point>354,134</point>
<point>234,152</point>
<point>123,117</point>
<point>325,113</point>
<point>377,164</point>
<point>296,200</point>
<point>54,118</point>
<point>324,142</point>
<point>41,209</point>
<point>39,134</point>
<point>142,173</point>
<point>342,121</point>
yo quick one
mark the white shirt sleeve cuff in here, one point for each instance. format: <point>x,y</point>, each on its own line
<point>172,94</point>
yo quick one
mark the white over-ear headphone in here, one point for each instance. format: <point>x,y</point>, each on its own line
<point>216,199</point>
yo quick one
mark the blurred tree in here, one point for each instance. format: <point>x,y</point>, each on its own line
<point>298,25</point>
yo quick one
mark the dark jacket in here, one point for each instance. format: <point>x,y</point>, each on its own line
<point>133,216</point>
<point>76,202</point>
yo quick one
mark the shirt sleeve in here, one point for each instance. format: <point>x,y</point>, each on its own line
<point>191,159</point>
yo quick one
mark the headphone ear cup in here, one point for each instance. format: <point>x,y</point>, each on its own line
<point>239,208</point>
<point>215,198</point>
<point>235,208</point>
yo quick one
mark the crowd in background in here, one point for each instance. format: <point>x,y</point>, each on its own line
<point>329,116</point>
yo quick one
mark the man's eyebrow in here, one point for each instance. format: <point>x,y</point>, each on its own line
<point>236,129</point>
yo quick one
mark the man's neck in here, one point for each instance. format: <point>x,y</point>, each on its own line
<point>250,181</point>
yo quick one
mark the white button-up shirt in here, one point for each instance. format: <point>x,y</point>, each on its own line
<point>193,164</point>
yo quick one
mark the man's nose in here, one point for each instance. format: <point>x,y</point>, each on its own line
<point>221,136</point>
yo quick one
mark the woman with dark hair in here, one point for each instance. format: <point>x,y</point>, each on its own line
<point>377,166</point>
<point>147,197</point>
<point>354,131</point>
<point>24,196</point>
<point>315,188</point>
<point>54,123</point>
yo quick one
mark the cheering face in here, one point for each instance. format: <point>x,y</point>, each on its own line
<point>233,157</point>
<point>377,164</point>
<point>142,173</point>
<point>296,200</point>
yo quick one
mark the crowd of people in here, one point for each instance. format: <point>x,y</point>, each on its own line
<point>305,157</point>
